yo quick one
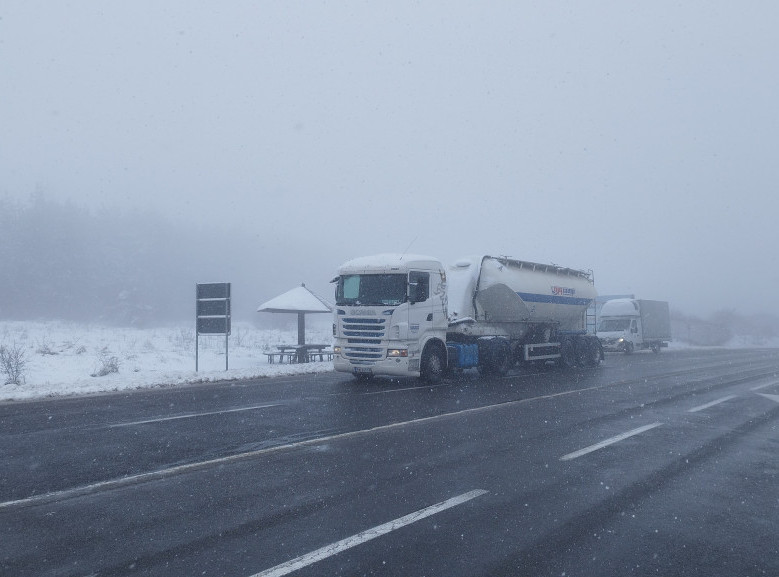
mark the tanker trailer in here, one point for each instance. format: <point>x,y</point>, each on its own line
<point>518,311</point>
<point>406,315</point>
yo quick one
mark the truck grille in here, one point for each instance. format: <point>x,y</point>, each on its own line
<point>362,335</point>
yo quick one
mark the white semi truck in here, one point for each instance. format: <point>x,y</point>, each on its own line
<point>627,325</point>
<point>407,315</point>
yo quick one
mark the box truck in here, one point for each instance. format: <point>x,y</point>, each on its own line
<point>627,325</point>
<point>408,315</point>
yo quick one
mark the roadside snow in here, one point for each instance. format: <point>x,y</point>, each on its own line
<point>62,357</point>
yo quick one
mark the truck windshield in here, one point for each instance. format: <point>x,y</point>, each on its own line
<point>371,289</point>
<point>610,325</point>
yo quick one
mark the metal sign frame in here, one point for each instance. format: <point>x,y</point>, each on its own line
<point>212,314</point>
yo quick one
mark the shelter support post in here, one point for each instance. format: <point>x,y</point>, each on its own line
<point>301,328</point>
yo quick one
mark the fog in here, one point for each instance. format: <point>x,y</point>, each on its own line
<point>264,143</point>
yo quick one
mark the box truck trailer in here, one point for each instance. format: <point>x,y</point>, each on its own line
<point>408,315</point>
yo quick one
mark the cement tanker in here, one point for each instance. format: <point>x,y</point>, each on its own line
<point>406,315</point>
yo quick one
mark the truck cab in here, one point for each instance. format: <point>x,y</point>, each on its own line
<point>627,325</point>
<point>620,333</point>
<point>390,317</point>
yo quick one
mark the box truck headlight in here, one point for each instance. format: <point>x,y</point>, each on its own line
<point>337,350</point>
<point>394,353</point>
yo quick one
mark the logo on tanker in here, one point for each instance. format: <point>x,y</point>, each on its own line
<point>562,291</point>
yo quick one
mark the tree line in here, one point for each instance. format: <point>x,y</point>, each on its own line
<point>60,260</point>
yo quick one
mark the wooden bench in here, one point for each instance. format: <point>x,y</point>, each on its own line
<point>296,354</point>
<point>290,356</point>
<point>312,355</point>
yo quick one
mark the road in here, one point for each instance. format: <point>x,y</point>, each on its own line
<point>648,465</point>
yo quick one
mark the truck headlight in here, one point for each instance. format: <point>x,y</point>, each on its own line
<point>337,350</point>
<point>397,353</point>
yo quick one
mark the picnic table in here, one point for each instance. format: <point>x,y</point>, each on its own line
<point>300,353</point>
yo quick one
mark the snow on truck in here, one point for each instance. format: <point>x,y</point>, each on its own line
<point>631,324</point>
<point>406,315</point>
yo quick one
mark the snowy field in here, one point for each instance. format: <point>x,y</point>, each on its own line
<point>60,358</point>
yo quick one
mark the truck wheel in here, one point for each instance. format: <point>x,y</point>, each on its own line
<point>581,350</point>
<point>433,365</point>
<point>628,348</point>
<point>495,357</point>
<point>655,347</point>
<point>590,355</point>
<point>567,353</point>
<point>501,359</point>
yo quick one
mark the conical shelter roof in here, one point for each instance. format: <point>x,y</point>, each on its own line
<point>297,300</point>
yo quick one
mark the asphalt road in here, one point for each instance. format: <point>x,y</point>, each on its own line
<point>648,465</point>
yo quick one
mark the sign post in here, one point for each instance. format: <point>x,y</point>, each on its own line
<point>212,304</point>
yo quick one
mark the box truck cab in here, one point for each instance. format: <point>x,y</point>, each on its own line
<point>627,325</point>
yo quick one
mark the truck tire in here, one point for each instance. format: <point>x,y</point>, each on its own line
<point>588,351</point>
<point>655,347</point>
<point>433,365</point>
<point>595,352</point>
<point>628,348</point>
<point>494,357</point>
<point>567,352</point>
<point>580,350</point>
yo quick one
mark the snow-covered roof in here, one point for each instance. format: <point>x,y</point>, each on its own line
<point>297,300</point>
<point>619,307</point>
<point>388,261</point>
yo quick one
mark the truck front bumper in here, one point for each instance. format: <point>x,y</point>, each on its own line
<point>393,367</point>
<point>613,345</point>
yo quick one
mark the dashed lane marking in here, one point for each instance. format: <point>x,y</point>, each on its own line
<point>359,538</point>
<point>774,398</point>
<point>711,404</point>
<point>764,386</point>
<point>607,442</point>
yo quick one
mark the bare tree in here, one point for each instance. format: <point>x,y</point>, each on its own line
<point>13,361</point>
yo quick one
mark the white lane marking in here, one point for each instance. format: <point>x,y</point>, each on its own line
<point>764,386</point>
<point>359,538</point>
<point>608,442</point>
<point>774,398</point>
<point>711,404</point>
<point>191,416</point>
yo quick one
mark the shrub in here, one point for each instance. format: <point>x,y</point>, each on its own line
<point>107,363</point>
<point>12,363</point>
<point>184,339</point>
<point>44,348</point>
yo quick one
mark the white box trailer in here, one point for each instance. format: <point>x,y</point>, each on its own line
<point>627,325</point>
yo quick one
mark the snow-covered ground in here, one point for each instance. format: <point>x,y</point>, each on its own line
<point>60,358</point>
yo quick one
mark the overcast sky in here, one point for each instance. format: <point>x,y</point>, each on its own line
<point>637,139</point>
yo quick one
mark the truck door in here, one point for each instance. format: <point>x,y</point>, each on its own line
<point>635,335</point>
<point>420,312</point>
